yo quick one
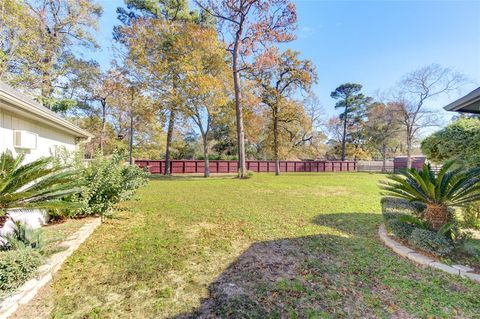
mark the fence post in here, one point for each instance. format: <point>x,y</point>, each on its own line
<point>217,167</point>
<point>295,167</point>
<point>333,167</point>
<point>228,166</point>
<point>183,167</point>
<point>196,166</point>
<point>171,167</point>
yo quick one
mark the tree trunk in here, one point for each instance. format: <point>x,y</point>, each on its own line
<point>275,142</point>
<point>130,148</point>
<point>409,152</point>
<point>238,108</point>
<point>344,132</point>
<point>436,216</point>
<point>384,158</point>
<point>46,89</point>
<point>104,122</point>
<point>171,123</point>
<point>206,172</point>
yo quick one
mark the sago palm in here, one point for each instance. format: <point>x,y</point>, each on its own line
<point>451,187</point>
<point>38,184</point>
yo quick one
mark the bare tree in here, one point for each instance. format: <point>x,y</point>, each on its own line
<point>383,128</point>
<point>252,25</point>
<point>417,88</point>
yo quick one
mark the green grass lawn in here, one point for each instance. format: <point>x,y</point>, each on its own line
<point>294,246</point>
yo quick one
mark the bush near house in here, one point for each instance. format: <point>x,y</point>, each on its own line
<point>459,141</point>
<point>107,180</point>
<point>76,189</point>
<point>16,267</point>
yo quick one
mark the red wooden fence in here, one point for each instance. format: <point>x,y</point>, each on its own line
<point>198,166</point>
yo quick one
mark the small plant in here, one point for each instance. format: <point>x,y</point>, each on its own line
<point>22,237</point>
<point>455,187</point>
<point>430,242</point>
<point>17,266</point>
<point>415,222</point>
<point>249,174</point>
<point>39,184</point>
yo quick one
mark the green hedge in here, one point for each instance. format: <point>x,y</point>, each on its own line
<point>430,241</point>
<point>16,267</point>
<point>393,207</point>
<point>400,229</point>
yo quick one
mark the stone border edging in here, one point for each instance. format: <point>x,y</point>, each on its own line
<point>421,259</point>
<point>45,273</point>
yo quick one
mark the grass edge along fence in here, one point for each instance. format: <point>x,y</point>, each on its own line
<point>258,166</point>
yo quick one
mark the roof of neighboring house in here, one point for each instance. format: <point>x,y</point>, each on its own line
<point>470,103</point>
<point>19,103</point>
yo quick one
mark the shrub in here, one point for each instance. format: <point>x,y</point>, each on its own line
<point>107,181</point>
<point>430,241</point>
<point>400,229</point>
<point>133,177</point>
<point>460,141</point>
<point>471,247</point>
<point>471,216</point>
<point>17,266</point>
<point>396,207</point>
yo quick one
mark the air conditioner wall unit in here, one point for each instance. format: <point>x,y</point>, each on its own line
<point>25,140</point>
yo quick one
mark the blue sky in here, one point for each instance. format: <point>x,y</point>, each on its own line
<point>373,43</point>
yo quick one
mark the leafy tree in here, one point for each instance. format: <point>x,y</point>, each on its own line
<point>18,43</point>
<point>252,26</point>
<point>152,35</point>
<point>383,129</point>
<point>458,141</point>
<point>206,81</point>
<point>40,42</point>
<point>353,102</point>
<point>415,90</point>
<point>279,77</point>
<point>39,184</point>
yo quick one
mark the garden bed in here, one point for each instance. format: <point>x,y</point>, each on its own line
<point>62,240</point>
<point>400,218</point>
<point>422,258</point>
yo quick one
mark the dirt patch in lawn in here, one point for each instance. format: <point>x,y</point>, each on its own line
<point>285,278</point>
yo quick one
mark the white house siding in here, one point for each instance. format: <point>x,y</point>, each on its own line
<point>48,140</point>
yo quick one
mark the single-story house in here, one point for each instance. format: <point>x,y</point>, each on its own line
<point>470,103</point>
<point>30,128</point>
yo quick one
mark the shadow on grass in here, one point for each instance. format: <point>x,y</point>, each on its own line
<point>357,224</point>
<point>342,276</point>
<point>279,278</point>
<point>305,277</point>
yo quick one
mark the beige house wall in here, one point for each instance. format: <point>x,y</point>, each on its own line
<point>49,140</point>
